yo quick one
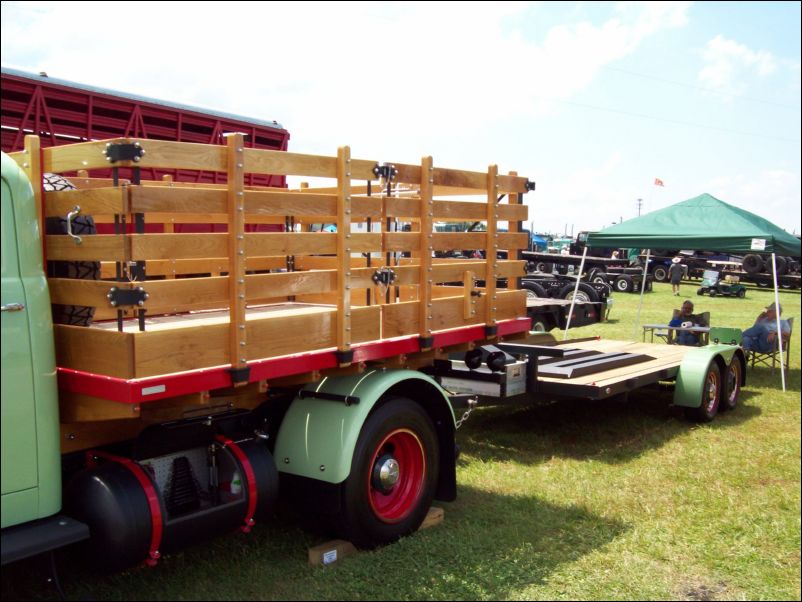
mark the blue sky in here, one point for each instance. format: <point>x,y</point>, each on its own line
<point>592,100</point>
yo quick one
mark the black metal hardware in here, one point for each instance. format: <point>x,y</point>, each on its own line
<point>530,186</point>
<point>123,152</point>
<point>240,375</point>
<point>346,399</point>
<point>384,276</point>
<point>491,331</point>
<point>385,170</point>
<point>344,357</point>
<point>127,296</point>
<point>426,342</point>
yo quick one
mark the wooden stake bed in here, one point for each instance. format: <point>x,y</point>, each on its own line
<point>265,280</point>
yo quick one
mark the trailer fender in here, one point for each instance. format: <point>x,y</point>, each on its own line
<point>317,437</point>
<point>693,370</point>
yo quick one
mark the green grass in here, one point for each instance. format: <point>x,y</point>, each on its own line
<point>621,499</point>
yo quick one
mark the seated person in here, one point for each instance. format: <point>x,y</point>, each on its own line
<point>762,336</point>
<point>686,318</point>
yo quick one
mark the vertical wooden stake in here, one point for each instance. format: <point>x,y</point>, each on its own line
<point>514,198</point>
<point>343,332</point>
<point>33,169</point>
<point>235,157</point>
<point>491,252</point>
<point>426,248</point>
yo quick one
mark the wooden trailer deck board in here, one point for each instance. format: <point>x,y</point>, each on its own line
<point>666,359</point>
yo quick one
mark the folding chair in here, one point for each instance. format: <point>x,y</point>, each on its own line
<point>771,358</point>
<point>725,336</point>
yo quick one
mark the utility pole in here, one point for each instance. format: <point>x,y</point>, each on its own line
<point>640,204</point>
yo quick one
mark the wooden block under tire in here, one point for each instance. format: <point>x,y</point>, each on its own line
<point>332,551</point>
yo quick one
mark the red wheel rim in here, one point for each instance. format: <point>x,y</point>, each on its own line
<point>394,502</point>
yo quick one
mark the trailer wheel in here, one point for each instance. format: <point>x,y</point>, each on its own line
<point>782,265</point>
<point>752,264</point>
<point>585,293</point>
<point>660,273</point>
<point>732,385</point>
<point>623,283</point>
<point>82,225</point>
<point>393,475</point>
<point>711,397</point>
<point>599,278</point>
<point>534,290</point>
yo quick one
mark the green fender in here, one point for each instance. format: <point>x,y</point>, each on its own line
<point>693,370</point>
<point>317,436</point>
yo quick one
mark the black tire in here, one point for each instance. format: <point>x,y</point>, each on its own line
<point>82,225</point>
<point>584,293</point>
<point>782,265</point>
<point>713,292</point>
<point>660,273</point>
<point>623,284</point>
<point>599,278</point>
<point>534,290</point>
<point>752,264</point>
<point>544,266</point>
<point>540,324</point>
<point>732,385</point>
<point>710,397</point>
<point>701,291</point>
<point>399,431</point>
<point>741,293</point>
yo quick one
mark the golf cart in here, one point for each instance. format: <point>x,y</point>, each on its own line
<point>713,286</point>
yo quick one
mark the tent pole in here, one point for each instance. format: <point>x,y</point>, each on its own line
<point>779,331</point>
<point>642,290</point>
<point>576,288</point>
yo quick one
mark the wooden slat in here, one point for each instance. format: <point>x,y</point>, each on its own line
<point>92,350</point>
<point>261,244</point>
<point>71,157</point>
<point>92,248</point>
<point>170,199</point>
<point>444,241</point>
<point>181,155</point>
<point>289,164</point>
<point>92,202</point>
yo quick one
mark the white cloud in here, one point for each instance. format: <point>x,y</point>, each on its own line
<point>728,64</point>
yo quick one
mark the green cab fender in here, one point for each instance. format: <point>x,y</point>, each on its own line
<point>693,371</point>
<point>319,432</point>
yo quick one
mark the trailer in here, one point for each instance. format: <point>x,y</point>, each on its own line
<point>706,380</point>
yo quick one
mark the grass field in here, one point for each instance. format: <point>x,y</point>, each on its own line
<point>622,499</point>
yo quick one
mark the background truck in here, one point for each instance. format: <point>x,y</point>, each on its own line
<point>216,371</point>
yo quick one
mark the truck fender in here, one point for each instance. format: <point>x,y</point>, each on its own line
<point>693,370</point>
<point>319,432</point>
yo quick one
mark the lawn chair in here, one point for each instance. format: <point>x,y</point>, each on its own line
<point>725,336</point>
<point>771,358</point>
<point>670,335</point>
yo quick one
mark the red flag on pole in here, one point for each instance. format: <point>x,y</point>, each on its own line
<point>658,182</point>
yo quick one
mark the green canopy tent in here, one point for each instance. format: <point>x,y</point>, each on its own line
<point>702,223</point>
